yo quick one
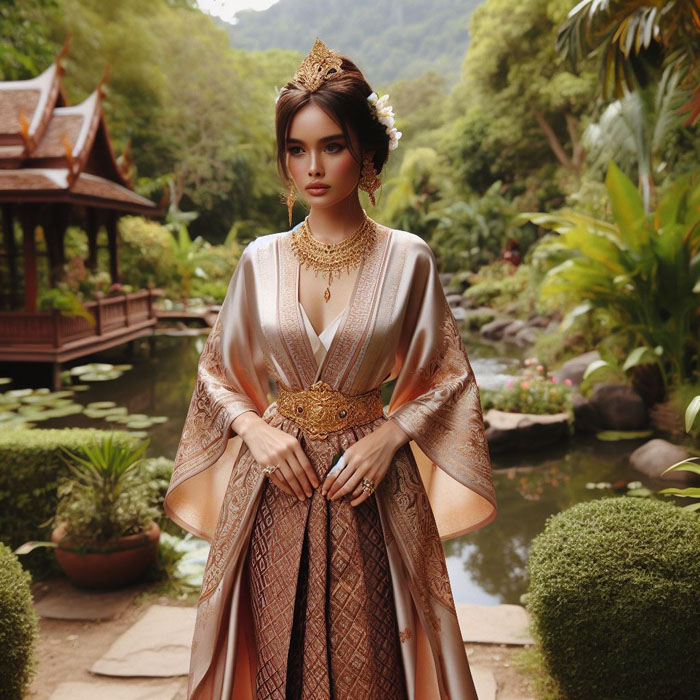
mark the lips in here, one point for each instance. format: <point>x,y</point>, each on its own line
<point>317,188</point>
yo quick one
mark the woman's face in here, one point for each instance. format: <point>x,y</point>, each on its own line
<point>317,152</point>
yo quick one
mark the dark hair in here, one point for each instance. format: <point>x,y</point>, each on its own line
<point>344,99</point>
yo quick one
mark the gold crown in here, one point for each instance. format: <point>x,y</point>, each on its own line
<point>320,65</point>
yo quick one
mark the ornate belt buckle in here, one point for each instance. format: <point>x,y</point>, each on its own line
<point>321,410</point>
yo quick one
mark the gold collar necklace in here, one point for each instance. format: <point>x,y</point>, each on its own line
<point>333,257</point>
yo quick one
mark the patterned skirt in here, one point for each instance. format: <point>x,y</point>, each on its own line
<point>322,600</point>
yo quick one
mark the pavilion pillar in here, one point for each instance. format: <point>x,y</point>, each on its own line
<point>52,244</point>
<point>8,235</point>
<point>29,247</point>
<point>113,244</point>
<point>93,226</point>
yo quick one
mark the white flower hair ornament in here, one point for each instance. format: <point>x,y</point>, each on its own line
<point>384,113</point>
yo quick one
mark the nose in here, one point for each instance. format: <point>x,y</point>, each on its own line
<point>315,169</point>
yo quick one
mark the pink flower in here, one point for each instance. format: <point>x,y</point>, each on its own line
<point>510,383</point>
<point>524,385</point>
<point>540,368</point>
<point>567,381</point>
<point>554,380</point>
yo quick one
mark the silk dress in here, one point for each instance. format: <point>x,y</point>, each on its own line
<point>317,599</point>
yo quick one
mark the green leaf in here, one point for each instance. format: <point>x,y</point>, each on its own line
<point>691,413</point>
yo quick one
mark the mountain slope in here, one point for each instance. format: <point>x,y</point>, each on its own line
<point>397,39</point>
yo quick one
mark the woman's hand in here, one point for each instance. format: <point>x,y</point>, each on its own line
<point>295,474</point>
<point>369,458</point>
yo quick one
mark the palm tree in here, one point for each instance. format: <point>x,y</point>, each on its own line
<point>630,34</point>
<point>634,130</point>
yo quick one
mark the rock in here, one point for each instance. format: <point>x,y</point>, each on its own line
<point>445,278</point>
<point>521,431</point>
<point>459,313</point>
<point>494,624</point>
<point>587,417</point>
<point>525,336</point>
<point>469,301</point>
<point>620,407</point>
<point>454,299</point>
<point>654,456</point>
<point>574,368</point>
<point>157,645</point>
<point>493,330</point>
<point>511,330</point>
<point>537,320</point>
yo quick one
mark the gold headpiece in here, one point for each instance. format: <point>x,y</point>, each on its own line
<point>320,65</point>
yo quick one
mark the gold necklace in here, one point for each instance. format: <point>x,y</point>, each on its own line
<point>333,257</point>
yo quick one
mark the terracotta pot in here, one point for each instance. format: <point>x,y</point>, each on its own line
<point>126,561</point>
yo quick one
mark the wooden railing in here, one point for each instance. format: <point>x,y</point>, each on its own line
<point>53,329</point>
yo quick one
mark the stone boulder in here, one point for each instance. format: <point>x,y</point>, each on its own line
<point>587,415</point>
<point>494,329</point>
<point>654,456</point>
<point>620,407</point>
<point>521,431</point>
<point>574,368</point>
<point>512,329</point>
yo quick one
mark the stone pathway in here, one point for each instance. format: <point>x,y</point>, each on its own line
<point>149,659</point>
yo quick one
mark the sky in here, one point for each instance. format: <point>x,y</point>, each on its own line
<point>226,9</point>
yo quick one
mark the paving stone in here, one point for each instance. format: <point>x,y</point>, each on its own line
<point>494,624</point>
<point>64,601</point>
<point>110,690</point>
<point>157,645</point>
<point>484,681</point>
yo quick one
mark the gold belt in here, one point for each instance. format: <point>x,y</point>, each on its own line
<point>321,409</point>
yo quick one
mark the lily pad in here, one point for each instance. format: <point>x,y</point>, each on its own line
<point>101,404</point>
<point>159,419</point>
<point>79,370</point>
<point>5,380</point>
<point>100,376</point>
<point>138,423</point>
<point>614,435</point>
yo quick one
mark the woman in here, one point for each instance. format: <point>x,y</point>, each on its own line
<point>326,576</point>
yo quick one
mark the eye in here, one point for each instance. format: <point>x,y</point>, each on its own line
<point>292,151</point>
<point>335,147</point>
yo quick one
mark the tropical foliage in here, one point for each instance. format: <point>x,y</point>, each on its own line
<point>640,275</point>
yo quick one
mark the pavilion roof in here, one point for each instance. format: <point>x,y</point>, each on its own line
<point>51,152</point>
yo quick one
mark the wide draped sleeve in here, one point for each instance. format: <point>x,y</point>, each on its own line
<point>436,402</point>
<point>232,378</point>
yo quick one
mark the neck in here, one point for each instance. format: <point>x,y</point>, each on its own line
<point>335,223</point>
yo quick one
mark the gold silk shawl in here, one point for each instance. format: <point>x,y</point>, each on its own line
<point>398,326</point>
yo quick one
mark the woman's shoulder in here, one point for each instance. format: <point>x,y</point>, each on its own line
<point>413,242</point>
<point>263,242</point>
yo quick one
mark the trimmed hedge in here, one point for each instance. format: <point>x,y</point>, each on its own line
<point>614,597</point>
<point>30,465</point>
<point>19,627</point>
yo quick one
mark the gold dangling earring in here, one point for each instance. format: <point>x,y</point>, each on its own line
<point>291,197</point>
<point>369,181</point>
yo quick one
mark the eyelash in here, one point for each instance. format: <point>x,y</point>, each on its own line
<point>339,145</point>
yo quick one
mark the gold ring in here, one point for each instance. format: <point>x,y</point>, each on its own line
<point>368,486</point>
<point>269,469</point>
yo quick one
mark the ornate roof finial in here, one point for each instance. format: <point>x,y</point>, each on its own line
<point>320,64</point>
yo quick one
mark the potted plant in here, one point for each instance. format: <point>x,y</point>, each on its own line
<point>104,529</point>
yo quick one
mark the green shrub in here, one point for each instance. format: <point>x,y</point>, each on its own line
<point>30,467</point>
<point>613,593</point>
<point>19,627</point>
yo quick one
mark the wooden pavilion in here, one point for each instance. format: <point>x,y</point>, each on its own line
<point>58,168</point>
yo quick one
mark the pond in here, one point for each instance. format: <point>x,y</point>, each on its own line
<point>487,566</point>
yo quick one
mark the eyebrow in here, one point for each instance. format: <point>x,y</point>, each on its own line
<point>333,137</point>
